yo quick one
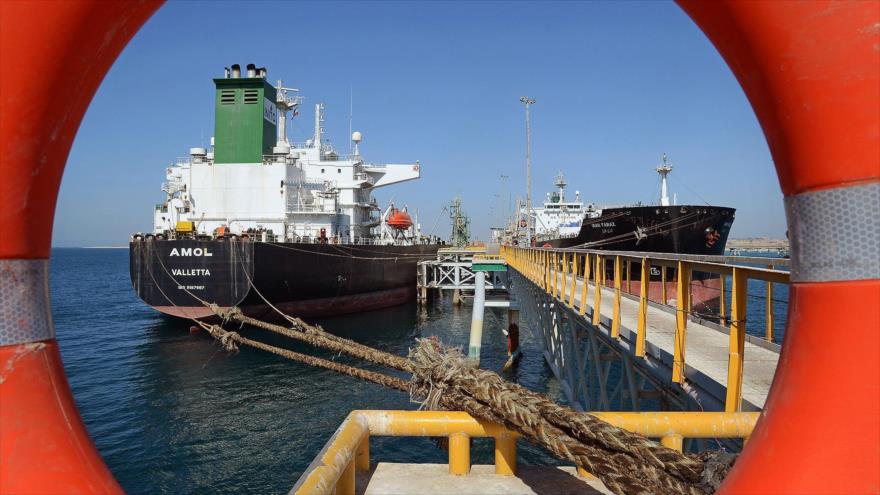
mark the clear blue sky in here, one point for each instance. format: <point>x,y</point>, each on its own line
<point>616,84</point>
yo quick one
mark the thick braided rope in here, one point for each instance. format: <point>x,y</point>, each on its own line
<point>230,339</point>
<point>591,443</point>
<point>619,464</point>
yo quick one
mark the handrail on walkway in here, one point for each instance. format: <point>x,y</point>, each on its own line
<point>348,450</point>
<point>544,265</point>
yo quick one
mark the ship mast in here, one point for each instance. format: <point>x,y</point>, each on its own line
<point>663,169</point>
<point>560,183</point>
<point>319,119</point>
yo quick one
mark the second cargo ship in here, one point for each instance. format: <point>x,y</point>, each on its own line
<point>256,219</point>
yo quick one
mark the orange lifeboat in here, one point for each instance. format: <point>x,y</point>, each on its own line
<point>399,220</point>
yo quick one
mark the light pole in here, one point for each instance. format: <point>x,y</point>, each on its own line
<point>505,192</point>
<point>528,102</point>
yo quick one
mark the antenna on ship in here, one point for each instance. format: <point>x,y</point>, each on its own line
<point>663,169</point>
<point>356,138</point>
<point>284,104</point>
<point>560,183</point>
<point>319,119</point>
<point>350,116</point>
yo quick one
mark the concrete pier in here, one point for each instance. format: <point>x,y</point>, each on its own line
<point>434,479</point>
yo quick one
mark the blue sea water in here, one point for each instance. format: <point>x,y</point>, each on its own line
<point>171,412</point>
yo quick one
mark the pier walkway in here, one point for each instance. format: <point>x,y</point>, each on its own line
<point>709,365</point>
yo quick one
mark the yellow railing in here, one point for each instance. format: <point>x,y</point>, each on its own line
<point>544,266</point>
<point>348,450</point>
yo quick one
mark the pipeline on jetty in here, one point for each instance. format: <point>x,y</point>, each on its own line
<point>442,378</point>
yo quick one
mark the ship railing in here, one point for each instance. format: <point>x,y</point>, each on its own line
<point>735,275</point>
<point>295,207</point>
<point>347,452</point>
<point>313,239</point>
<point>364,177</point>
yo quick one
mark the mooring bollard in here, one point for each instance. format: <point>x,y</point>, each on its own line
<point>477,318</point>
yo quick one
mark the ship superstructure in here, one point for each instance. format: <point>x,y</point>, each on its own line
<point>254,181</point>
<point>258,222</point>
<point>559,218</point>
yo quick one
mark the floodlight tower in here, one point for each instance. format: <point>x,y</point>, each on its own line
<point>528,102</point>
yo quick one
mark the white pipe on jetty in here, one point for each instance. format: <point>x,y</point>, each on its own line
<point>477,318</point>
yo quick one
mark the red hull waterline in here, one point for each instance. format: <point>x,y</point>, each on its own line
<point>309,308</point>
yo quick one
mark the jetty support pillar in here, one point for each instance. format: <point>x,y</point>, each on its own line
<point>477,317</point>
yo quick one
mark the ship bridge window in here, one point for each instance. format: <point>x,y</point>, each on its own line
<point>227,97</point>
<point>250,96</point>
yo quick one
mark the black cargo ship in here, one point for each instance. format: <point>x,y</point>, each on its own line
<point>663,228</point>
<point>175,276</point>
<point>256,221</point>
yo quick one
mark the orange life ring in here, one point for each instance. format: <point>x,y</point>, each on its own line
<point>810,72</point>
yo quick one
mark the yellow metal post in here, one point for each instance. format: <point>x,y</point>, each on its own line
<point>459,454</point>
<point>345,485</point>
<point>628,276</point>
<point>586,277</point>
<point>723,309</point>
<point>642,330</point>
<point>505,456</point>
<point>545,267</point>
<point>738,296</point>
<point>548,286</point>
<point>681,314</point>
<point>618,281</point>
<point>545,277</point>
<point>555,274</point>
<point>564,277</point>
<point>337,463</point>
<point>597,282</point>
<point>534,267</point>
<point>674,442</point>
<point>531,258</point>
<point>574,279</point>
<point>769,310</point>
<point>362,456</point>
<point>663,297</point>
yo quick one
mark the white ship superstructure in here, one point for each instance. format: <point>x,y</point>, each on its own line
<point>559,218</point>
<point>296,193</point>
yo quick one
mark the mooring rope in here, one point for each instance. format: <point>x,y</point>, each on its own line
<point>626,462</point>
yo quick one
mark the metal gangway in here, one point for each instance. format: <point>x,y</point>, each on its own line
<point>664,348</point>
<point>453,270</point>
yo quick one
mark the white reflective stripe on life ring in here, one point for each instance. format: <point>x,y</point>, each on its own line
<point>25,315</point>
<point>835,234</point>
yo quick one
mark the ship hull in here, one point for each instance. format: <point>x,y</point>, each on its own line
<point>680,229</point>
<point>178,277</point>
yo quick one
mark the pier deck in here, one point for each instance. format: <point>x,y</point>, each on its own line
<point>434,479</point>
<point>634,348</point>
<point>707,347</point>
